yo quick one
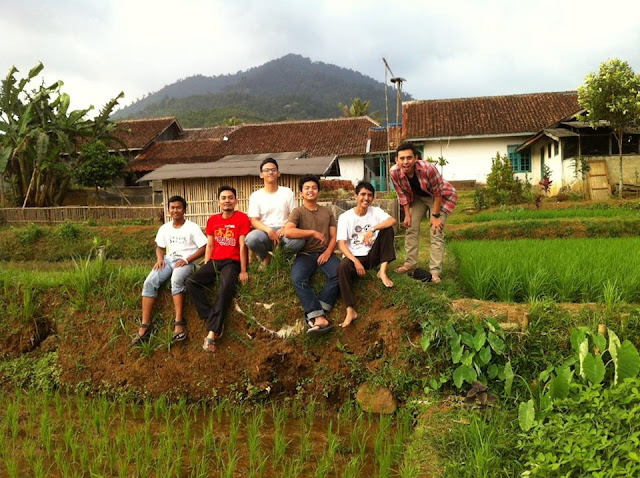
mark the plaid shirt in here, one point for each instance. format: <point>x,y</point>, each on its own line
<point>431,182</point>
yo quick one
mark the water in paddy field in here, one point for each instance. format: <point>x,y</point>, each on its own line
<point>53,434</point>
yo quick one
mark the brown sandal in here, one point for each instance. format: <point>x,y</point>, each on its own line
<point>404,269</point>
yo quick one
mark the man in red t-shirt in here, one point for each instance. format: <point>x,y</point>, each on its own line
<point>225,256</point>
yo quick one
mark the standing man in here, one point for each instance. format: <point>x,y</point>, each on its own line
<point>317,226</point>
<point>226,259</point>
<point>269,209</point>
<point>420,187</point>
<point>365,237</point>
<point>178,244</point>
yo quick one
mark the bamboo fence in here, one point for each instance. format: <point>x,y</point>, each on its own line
<point>48,215</point>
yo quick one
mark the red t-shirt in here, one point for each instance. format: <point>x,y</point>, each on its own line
<point>226,234</point>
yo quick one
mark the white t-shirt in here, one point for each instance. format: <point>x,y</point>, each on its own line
<point>351,228</point>
<point>182,241</point>
<point>272,209</point>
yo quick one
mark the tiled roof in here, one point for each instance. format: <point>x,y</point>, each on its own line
<point>378,139</point>
<point>137,134</point>
<point>341,136</point>
<point>215,132</point>
<point>488,115</point>
<point>178,151</point>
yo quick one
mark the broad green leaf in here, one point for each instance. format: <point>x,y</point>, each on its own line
<point>545,402</point>
<point>614,346</point>
<point>493,324</point>
<point>467,339</point>
<point>456,353</point>
<point>508,378</point>
<point>583,350</point>
<point>559,385</point>
<point>593,368</point>
<point>526,415</point>
<point>497,344</point>
<point>628,361</point>
<point>577,337</point>
<point>485,355</point>
<point>467,357</point>
<point>479,339</point>
<point>425,341</point>
<point>462,374</point>
<point>5,154</point>
<point>451,331</point>
<point>600,341</point>
<point>492,371</point>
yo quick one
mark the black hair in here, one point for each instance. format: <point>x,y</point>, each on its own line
<point>306,178</point>
<point>365,185</point>
<point>178,199</point>
<point>407,145</point>
<point>267,161</point>
<point>226,187</point>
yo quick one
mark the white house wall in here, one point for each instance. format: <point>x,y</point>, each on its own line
<point>559,173</point>
<point>351,168</point>
<point>470,158</point>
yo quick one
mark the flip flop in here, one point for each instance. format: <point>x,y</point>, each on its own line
<point>141,338</point>
<point>316,331</point>
<point>207,343</point>
<point>403,269</point>
<point>179,336</point>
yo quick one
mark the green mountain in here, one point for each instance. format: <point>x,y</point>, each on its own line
<point>291,87</point>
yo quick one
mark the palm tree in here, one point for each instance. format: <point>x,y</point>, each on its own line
<point>357,108</point>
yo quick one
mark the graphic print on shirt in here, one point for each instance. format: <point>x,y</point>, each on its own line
<point>357,237</point>
<point>225,236</point>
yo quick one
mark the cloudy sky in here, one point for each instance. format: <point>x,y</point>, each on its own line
<point>444,49</point>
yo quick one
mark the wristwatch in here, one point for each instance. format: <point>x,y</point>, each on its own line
<point>436,215</point>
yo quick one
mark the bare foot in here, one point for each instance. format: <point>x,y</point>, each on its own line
<point>436,279</point>
<point>320,321</point>
<point>385,279</point>
<point>351,316</point>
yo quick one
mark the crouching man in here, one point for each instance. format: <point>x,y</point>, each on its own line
<point>178,244</point>
<point>317,225</point>
<point>365,237</point>
<point>226,259</point>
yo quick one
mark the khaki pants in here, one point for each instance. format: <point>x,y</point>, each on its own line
<point>419,207</point>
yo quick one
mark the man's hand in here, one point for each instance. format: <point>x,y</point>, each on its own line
<point>324,257</point>
<point>244,277</point>
<point>273,235</point>
<point>406,224</point>
<point>181,263</point>
<point>436,224</point>
<point>280,233</point>
<point>367,239</point>
<point>159,265</point>
<point>320,237</point>
<point>359,268</point>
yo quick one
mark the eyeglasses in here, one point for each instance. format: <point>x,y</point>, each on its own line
<point>269,170</point>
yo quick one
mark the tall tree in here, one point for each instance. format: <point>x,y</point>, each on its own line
<point>97,167</point>
<point>357,108</point>
<point>612,96</point>
<point>40,136</point>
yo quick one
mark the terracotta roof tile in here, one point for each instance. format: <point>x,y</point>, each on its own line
<point>378,137</point>
<point>137,134</point>
<point>341,136</point>
<point>215,132</point>
<point>178,151</point>
<point>488,115</point>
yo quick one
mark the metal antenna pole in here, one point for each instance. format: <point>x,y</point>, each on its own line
<point>387,184</point>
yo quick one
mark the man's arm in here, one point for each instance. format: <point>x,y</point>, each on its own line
<point>208,253</point>
<point>159,265</point>
<point>292,232</point>
<point>326,255</point>
<point>244,260</point>
<point>258,224</point>
<point>360,270</point>
<point>368,236</point>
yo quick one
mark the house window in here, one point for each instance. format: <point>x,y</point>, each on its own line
<point>549,150</point>
<point>520,162</point>
<point>629,144</point>
<point>542,154</point>
<point>556,148</point>
<point>595,145</point>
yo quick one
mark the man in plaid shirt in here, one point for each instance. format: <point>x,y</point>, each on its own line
<point>420,187</point>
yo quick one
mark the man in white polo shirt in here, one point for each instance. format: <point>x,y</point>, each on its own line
<point>269,209</point>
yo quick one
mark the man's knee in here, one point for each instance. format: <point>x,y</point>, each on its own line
<point>293,245</point>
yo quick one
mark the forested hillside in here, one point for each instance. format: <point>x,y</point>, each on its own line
<point>291,87</point>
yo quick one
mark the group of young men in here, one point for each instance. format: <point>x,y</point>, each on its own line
<point>364,235</point>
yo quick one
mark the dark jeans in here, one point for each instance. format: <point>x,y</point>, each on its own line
<point>199,288</point>
<point>383,250</point>
<point>302,272</point>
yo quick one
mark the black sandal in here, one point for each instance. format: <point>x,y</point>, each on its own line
<point>141,338</point>
<point>179,336</point>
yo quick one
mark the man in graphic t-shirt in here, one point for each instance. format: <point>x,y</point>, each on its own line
<point>269,209</point>
<point>226,259</point>
<point>365,237</point>
<point>178,244</point>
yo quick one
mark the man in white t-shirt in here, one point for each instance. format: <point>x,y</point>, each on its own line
<point>365,237</point>
<point>178,244</point>
<point>269,209</point>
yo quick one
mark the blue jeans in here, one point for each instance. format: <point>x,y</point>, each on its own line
<point>258,241</point>
<point>302,272</point>
<point>178,275</point>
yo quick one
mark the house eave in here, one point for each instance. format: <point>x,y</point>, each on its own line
<point>481,136</point>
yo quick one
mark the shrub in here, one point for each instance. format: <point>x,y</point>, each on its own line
<point>29,234</point>
<point>68,231</point>
<point>502,186</point>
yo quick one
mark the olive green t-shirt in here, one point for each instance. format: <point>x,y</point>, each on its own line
<point>320,220</point>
